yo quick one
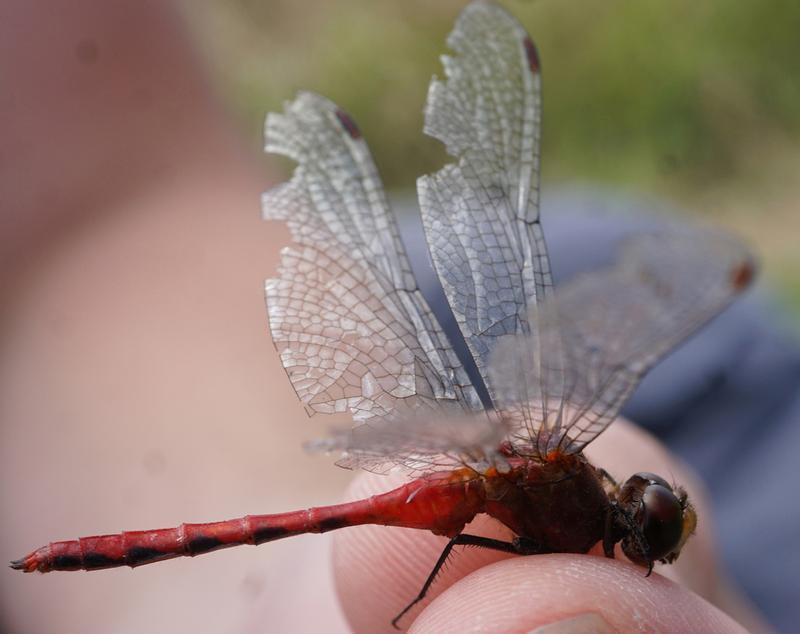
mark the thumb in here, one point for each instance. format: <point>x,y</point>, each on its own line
<point>569,594</point>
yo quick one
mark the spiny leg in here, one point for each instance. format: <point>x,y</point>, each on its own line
<point>518,546</point>
<point>621,525</point>
<point>605,475</point>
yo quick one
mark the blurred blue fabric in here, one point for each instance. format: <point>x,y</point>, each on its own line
<point>727,401</point>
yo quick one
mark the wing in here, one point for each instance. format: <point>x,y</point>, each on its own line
<point>420,443</point>
<point>481,215</point>
<point>609,328</point>
<point>352,330</point>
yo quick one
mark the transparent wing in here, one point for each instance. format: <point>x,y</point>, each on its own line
<point>481,215</point>
<point>351,327</point>
<point>419,443</point>
<point>609,327</point>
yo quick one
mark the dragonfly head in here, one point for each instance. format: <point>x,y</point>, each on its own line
<point>660,519</point>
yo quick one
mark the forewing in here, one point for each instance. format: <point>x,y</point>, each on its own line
<point>608,328</point>
<point>352,330</point>
<point>481,215</point>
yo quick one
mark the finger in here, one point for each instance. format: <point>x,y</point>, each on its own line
<point>379,570</point>
<point>574,593</point>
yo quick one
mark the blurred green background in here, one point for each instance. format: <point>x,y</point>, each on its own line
<point>695,102</point>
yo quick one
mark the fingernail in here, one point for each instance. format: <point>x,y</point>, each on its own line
<point>582,624</point>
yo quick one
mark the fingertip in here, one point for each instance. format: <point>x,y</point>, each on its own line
<point>569,593</point>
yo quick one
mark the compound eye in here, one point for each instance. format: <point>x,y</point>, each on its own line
<point>652,478</point>
<point>662,520</point>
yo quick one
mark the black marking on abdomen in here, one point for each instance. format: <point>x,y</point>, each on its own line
<point>139,555</point>
<point>66,562</point>
<point>268,534</point>
<point>202,544</point>
<point>332,523</point>
<point>95,561</point>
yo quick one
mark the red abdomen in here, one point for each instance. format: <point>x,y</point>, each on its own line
<point>441,502</point>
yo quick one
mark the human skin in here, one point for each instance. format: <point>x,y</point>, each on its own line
<point>138,385</point>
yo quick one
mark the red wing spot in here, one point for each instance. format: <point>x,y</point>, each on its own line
<point>348,124</point>
<point>742,276</point>
<point>532,55</point>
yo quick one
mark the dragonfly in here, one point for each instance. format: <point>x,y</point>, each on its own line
<point>498,431</point>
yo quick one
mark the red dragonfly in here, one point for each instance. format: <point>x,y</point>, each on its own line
<point>551,369</point>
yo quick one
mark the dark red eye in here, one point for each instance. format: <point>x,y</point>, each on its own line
<point>661,520</point>
<point>652,478</point>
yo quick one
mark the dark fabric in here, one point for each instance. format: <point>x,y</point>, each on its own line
<point>727,401</point>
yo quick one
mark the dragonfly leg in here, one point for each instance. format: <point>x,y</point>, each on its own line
<point>622,525</point>
<point>605,475</point>
<point>611,534</point>
<point>519,546</point>
<point>527,546</point>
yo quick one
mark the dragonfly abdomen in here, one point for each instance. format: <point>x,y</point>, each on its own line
<point>440,502</point>
<point>136,548</point>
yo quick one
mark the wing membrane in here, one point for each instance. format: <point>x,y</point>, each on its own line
<point>611,326</point>
<point>419,443</point>
<point>354,332</point>
<point>481,215</point>
<point>351,327</point>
